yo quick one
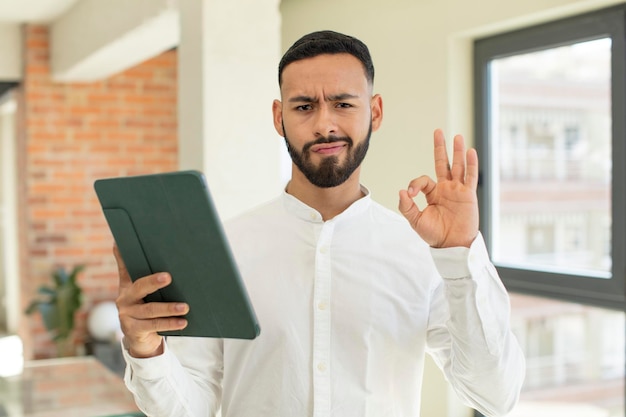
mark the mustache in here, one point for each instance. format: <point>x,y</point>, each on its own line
<point>329,139</point>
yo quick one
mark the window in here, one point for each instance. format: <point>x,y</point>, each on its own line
<point>550,106</point>
<point>574,358</point>
<point>550,129</point>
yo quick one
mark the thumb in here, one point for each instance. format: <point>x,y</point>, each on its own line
<point>407,206</point>
<point>121,268</point>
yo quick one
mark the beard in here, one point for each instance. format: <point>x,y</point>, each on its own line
<point>329,173</point>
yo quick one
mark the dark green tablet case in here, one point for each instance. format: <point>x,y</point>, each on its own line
<point>168,223</point>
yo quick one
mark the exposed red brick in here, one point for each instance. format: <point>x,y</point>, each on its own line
<point>70,135</point>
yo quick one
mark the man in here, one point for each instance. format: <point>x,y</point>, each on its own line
<point>349,295</point>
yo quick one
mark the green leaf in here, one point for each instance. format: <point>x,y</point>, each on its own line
<point>46,291</point>
<point>60,337</point>
<point>60,277</point>
<point>32,307</point>
<point>60,302</point>
<point>75,272</point>
<point>50,315</point>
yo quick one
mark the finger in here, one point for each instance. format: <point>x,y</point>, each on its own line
<point>471,176</point>
<point>442,163</point>
<point>458,159</point>
<point>137,291</point>
<point>423,184</point>
<point>149,284</point>
<point>168,324</point>
<point>145,327</point>
<point>123,274</point>
<point>407,206</point>
<point>157,310</point>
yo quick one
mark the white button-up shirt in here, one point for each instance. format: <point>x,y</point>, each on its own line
<point>348,307</point>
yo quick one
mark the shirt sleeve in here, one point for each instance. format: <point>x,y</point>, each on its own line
<point>469,334</point>
<point>184,381</point>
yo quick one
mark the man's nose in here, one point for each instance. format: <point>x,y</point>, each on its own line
<point>325,123</point>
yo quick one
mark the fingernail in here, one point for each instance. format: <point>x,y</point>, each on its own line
<point>162,277</point>
<point>181,322</point>
<point>410,190</point>
<point>180,307</point>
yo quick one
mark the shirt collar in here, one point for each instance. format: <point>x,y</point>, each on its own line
<point>309,214</point>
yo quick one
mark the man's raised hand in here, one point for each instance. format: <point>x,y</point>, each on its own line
<point>451,215</point>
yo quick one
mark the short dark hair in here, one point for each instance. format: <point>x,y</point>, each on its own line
<point>327,42</point>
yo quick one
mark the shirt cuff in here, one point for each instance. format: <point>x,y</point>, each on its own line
<point>458,262</point>
<point>148,368</point>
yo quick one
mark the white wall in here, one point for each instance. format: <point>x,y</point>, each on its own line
<point>422,52</point>
<point>10,45</point>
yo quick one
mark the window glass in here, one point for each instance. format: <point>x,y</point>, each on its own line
<point>551,159</point>
<point>550,128</point>
<point>574,358</point>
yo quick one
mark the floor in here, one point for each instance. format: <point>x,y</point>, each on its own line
<point>84,387</point>
<point>67,387</point>
<point>598,399</point>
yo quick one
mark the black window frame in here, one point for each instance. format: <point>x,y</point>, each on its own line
<point>6,86</point>
<point>610,22</point>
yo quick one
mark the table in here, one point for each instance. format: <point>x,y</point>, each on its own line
<point>66,387</point>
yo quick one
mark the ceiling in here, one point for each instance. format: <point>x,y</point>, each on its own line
<point>91,46</point>
<point>36,11</point>
<point>30,11</point>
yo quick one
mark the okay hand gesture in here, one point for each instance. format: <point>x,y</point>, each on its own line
<point>451,216</point>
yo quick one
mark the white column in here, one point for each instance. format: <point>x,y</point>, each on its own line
<point>228,58</point>
<point>9,256</point>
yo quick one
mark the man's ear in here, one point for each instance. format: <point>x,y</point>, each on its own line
<point>277,111</point>
<point>377,111</point>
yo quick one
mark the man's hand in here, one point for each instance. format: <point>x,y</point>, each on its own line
<point>451,216</point>
<point>141,321</point>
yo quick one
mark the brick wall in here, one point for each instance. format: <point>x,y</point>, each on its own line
<point>68,136</point>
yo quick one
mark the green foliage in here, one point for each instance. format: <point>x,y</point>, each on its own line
<point>58,303</point>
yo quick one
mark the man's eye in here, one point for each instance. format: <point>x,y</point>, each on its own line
<point>344,105</point>
<point>304,107</point>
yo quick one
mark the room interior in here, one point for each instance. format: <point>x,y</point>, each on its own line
<point>90,89</point>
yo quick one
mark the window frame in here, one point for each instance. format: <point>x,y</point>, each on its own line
<point>9,263</point>
<point>610,22</point>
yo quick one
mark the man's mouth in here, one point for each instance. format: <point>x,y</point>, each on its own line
<point>328,148</point>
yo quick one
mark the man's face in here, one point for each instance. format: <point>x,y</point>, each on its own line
<point>327,116</point>
<point>329,172</point>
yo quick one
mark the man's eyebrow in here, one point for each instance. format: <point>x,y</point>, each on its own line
<point>342,96</point>
<point>302,99</point>
<point>335,97</point>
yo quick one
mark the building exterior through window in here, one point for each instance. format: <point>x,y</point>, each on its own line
<point>551,171</point>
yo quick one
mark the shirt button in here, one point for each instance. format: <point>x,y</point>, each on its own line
<point>321,367</point>
<point>322,305</point>
<point>313,216</point>
<point>324,249</point>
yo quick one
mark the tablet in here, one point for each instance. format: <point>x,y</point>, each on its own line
<point>168,223</point>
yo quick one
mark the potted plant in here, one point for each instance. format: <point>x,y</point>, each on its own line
<point>58,305</point>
